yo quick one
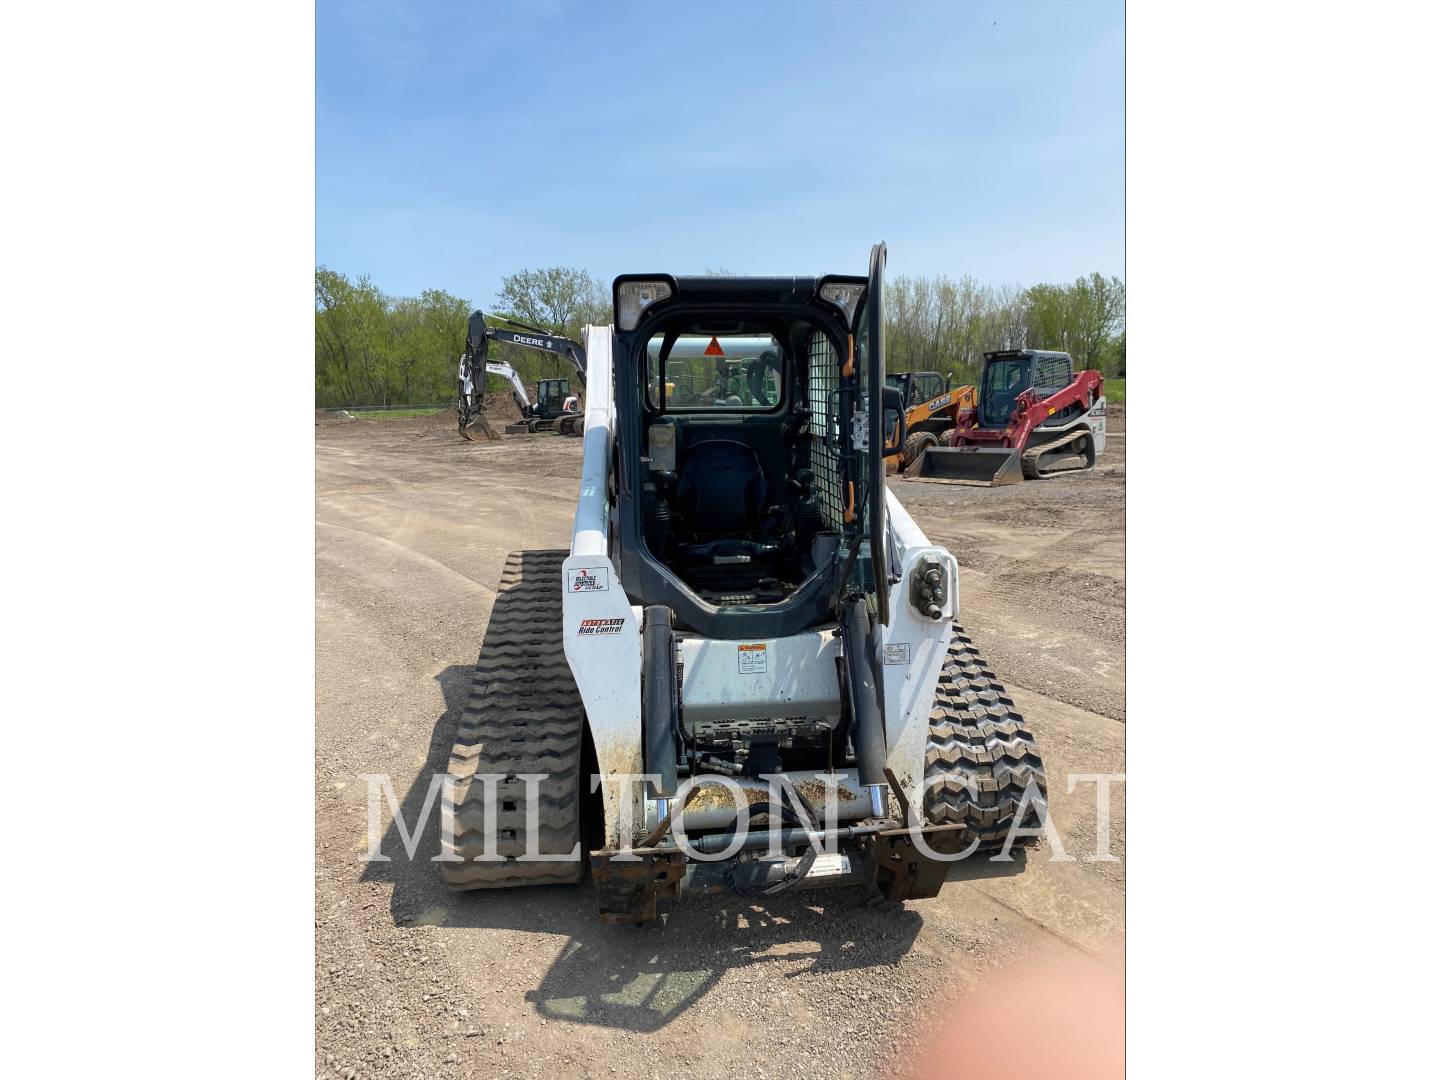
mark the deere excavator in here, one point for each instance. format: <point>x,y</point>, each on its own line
<point>745,674</point>
<point>1035,417</point>
<point>555,408</point>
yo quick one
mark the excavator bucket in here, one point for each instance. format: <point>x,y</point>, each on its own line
<point>478,429</point>
<point>981,466</point>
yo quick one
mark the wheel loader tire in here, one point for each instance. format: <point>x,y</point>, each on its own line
<point>976,735</point>
<point>524,715</point>
<point>915,445</point>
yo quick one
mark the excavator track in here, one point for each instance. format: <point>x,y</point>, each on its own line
<point>524,715</point>
<point>980,744</point>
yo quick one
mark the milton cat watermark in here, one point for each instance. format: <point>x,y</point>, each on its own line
<point>496,830</point>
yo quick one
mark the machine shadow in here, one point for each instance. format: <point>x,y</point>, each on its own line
<point>641,978</point>
<point>638,978</point>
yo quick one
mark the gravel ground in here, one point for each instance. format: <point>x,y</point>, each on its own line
<point>412,527</point>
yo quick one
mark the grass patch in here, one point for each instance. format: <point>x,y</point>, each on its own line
<point>1114,391</point>
<point>396,414</point>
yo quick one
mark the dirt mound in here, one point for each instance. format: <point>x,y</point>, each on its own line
<point>501,409</point>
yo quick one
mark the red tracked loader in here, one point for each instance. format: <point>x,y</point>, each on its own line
<point>1035,416</point>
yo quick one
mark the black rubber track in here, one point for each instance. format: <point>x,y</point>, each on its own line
<point>976,733</point>
<point>1038,463</point>
<point>524,716</point>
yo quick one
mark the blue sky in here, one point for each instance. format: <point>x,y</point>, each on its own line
<point>458,142</point>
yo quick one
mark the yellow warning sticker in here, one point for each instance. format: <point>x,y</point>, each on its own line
<point>753,659</point>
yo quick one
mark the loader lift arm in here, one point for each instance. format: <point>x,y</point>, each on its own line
<point>478,337</point>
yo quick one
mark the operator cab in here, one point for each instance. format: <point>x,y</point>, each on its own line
<point>722,490</point>
<point>918,386</point>
<point>745,478</point>
<point>550,395</point>
<point>1010,373</point>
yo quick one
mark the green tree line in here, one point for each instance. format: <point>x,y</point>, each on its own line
<point>937,324</point>
<point>374,349</point>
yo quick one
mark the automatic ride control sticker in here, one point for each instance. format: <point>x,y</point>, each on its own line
<point>595,627</point>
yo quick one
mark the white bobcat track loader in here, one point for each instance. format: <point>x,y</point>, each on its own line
<point>746,618</point>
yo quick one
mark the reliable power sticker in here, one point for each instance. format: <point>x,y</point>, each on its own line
<point>752,659</point>
<point>897,655</point>
<point>588,580</point>
<point>596,627</point>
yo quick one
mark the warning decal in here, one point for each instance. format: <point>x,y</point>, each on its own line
<point>752,659</point>
<point>898,654</point>
<point>714,349</point>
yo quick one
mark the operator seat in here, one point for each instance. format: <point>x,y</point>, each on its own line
<point>722,489</point>
<point>722,494</point>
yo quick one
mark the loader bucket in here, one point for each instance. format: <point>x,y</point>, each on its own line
<point>982,466</point>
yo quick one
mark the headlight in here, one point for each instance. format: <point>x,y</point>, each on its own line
<point>633,297</point>
<point>844,296</point>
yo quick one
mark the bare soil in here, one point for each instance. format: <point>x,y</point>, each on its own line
<point>500,408</point>
<point>412,527</point>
